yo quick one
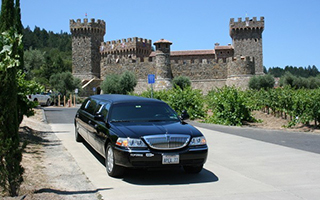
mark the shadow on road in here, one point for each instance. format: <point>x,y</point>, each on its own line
<point>169,176</point>
<point>61,192</point>
<point>160,176</point>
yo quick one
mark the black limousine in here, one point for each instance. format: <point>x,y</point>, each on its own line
<point>139,132</point>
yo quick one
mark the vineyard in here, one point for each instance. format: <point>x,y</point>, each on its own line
<point>231,106</point>
<point>299,106</point>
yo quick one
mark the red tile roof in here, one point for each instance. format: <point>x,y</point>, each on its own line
<point>188,53</point>
<point>192,52</point>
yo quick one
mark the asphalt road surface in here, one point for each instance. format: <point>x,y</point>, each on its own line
<point>242,164</point>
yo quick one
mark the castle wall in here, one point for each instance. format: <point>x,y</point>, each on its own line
<point>204,74</point>
<point>200,69</point>
<point>111,65</point>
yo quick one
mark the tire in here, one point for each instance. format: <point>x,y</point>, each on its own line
<point>193,169</point>
<point>48,102</point>
<point>78,137</point>
<point>113,170</point>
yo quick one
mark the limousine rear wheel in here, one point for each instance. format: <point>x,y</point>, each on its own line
<point>112,169</point>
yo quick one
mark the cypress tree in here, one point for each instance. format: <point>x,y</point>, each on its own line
<point>10,151</point>
<point>7,15</point>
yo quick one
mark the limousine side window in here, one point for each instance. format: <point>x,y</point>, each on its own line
<point>104,109</point>
<point>91,106</point>
<point>85,104</point>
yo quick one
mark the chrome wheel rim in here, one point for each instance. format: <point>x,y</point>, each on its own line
<point>110,160</point>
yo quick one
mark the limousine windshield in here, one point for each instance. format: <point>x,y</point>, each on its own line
<point>129,112</point>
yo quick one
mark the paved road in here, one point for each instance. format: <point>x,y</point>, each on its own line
<point>237,168</point>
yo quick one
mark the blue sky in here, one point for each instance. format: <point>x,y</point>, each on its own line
<point>291,35</point>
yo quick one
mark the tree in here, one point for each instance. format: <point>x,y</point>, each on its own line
<point>64,82</point>
<point>7,16</point>
<point>261,82</point>
<point>119,84</point>
<point>10,151</point>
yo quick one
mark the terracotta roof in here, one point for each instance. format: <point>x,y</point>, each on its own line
<point>188,53</point>
<point>163,41</point>
<point>192,52</point>
<point>223,47</point>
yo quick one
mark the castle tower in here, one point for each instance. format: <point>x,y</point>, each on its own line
<point>86,40</point>
<point>163,67</point>
<point>247,39</point>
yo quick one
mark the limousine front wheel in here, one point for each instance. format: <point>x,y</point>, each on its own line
<point>112,169</point>
<point>78,137</point>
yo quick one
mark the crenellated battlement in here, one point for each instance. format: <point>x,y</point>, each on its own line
<point>98,26</point>
<point>246,25</point>
<point>130,47</point>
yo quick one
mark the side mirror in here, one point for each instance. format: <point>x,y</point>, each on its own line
<point>184,115</point>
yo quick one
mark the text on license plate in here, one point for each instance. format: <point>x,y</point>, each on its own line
<point>170,159</point>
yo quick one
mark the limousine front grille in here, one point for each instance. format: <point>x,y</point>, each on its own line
<point>167,141</point>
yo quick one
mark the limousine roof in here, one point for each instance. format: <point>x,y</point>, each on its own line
<point>117,98</point>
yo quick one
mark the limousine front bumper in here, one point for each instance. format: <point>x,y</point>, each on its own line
<point>188,156</point>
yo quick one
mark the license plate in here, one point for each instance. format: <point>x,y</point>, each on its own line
<point>170,159</point>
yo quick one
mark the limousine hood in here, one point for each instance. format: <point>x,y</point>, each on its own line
<point>134,130</point>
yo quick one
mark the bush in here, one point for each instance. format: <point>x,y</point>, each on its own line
<point>119,84</point>
<point>187,99</point>
<point>228,106</point>
<point>261,82</point>
<point>179,100</point>
<point>182,82</point>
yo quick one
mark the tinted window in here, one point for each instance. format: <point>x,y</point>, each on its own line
<point>104,109</point>
<point>84,104</point>
<point>91,106</point>
<point>142,112</point>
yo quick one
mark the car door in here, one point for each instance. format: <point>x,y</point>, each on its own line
<point>101,131</point>
<point>90,121</point>
<point>81,119</point>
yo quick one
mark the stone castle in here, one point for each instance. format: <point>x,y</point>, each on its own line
<point>234,64</point>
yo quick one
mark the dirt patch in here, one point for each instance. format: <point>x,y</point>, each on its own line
<point>269,121</point>
<point>50,171</point>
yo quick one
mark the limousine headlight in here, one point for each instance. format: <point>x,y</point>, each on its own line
<point>130,142</point>
<point>198,141</point>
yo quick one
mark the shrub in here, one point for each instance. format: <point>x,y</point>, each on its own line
<point>182,82</point>
<point>228,106</point>
<point>119,84</point>
<point>187,99</point>
<point>179,100</point>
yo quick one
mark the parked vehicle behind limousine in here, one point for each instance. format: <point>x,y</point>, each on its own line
<point>43,99</point>
<point>138,132</point>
